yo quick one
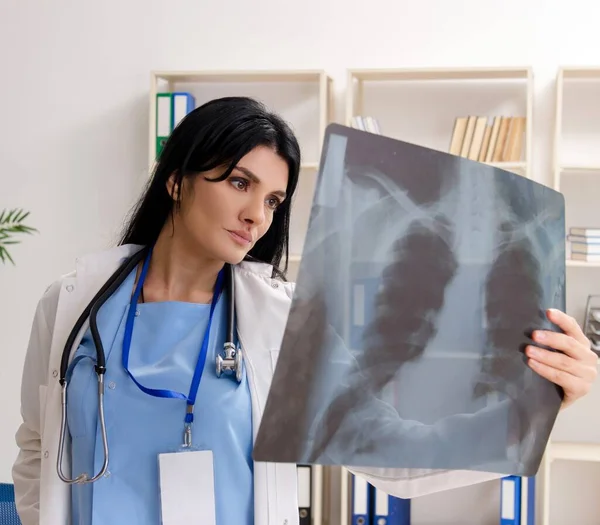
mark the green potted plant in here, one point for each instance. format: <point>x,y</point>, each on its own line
<point>11,226</point>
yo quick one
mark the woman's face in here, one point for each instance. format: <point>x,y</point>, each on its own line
<point>224,220</point>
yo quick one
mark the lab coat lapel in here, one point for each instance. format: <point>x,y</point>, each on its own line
<point>77,290</point>
<point>262,306</point>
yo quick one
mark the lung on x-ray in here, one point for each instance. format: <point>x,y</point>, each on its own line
<point>422,277</point>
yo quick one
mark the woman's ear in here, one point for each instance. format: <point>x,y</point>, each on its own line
<point>173,187</point>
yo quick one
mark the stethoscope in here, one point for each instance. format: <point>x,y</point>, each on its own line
<point>229,362</point>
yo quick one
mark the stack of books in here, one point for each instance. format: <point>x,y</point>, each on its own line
<point>584,244</point>
<point>476,138</point>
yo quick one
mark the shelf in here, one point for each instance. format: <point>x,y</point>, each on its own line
<point>573,155</point>
<point>583,73</point>
<point>424,104</point>
<point>579,169</point>
<point>574,451</point>
<point>583,264</point>
<point>440,74</point>
<point>306,101</point>
<point>307,104</point>
<point>241,76</point>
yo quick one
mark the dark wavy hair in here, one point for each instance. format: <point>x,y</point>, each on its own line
<point>218,134</point>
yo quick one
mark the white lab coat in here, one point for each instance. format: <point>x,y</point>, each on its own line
<point>262,304</point>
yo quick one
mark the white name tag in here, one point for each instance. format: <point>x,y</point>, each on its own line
<point>187,488</point>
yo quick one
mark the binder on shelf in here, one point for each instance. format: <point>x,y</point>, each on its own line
<point>183,103</point>
<point>164,120</point>
<point>528,501</point>
<point>510,500</point>
<point>361,501</point>
<point>389,510</point>
<point>304,473</point>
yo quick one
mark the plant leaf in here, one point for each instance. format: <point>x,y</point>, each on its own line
<point>11,224</point>
<point>4,255</point>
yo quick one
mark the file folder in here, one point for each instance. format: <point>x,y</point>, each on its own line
<point>361,501</point>
<point>304,473</point>
<point>528,501</point>
<point>164,120</point>
<point>183,103</point>
<point>510,500</point>
<point>389,510</point>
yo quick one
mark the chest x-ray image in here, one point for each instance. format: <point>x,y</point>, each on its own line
<point>422,278</point>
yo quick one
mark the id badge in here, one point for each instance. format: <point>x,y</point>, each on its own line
<point>187,488</point>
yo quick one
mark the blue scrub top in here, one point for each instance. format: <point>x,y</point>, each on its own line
<point>165,346</point>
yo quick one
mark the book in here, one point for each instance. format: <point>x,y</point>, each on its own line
<point>477,140</point>
<point>493,139</point>
<point>468,137</point>
<point>584,232</point>
<point>501,141</point>
<point>458,135</point>
<point>498,155</point>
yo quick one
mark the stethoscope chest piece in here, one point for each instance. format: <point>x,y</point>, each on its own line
<point>230,362</point>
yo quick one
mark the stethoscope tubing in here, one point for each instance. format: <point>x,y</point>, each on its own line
<point>230,363</point>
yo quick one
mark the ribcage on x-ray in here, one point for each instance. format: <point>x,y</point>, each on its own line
<point>402,306</point>
<point>515,273</point>
<point>408,305</point>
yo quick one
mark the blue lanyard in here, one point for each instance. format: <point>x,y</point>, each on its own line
<point>191,398</point>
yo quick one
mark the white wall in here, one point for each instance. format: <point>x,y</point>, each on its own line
<point>74,99</point>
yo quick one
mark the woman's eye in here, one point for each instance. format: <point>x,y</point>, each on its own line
<point>274,203</point>
<point>240,184</point>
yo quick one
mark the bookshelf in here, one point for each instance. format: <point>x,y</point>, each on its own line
<point>575,440</point>
<point>421,106</point>
<point>426,103</point>
<point>304,98</point>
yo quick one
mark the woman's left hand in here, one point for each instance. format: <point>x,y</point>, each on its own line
<point>574,366</point>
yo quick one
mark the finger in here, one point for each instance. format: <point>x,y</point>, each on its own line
<point>562,362</point>
<point>563,343</point>
<point>568,325</point>
<point>573,386</point>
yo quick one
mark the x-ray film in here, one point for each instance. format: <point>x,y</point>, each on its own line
<point>422,278</point>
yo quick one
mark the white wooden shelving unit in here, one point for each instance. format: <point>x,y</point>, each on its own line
<point>576,174</point>
<point>420,106</point>
<point>304,98</point>
<point>564,165</point>
<point>416,114</point>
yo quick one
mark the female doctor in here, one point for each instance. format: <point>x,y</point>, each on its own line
<point>220,197</point>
